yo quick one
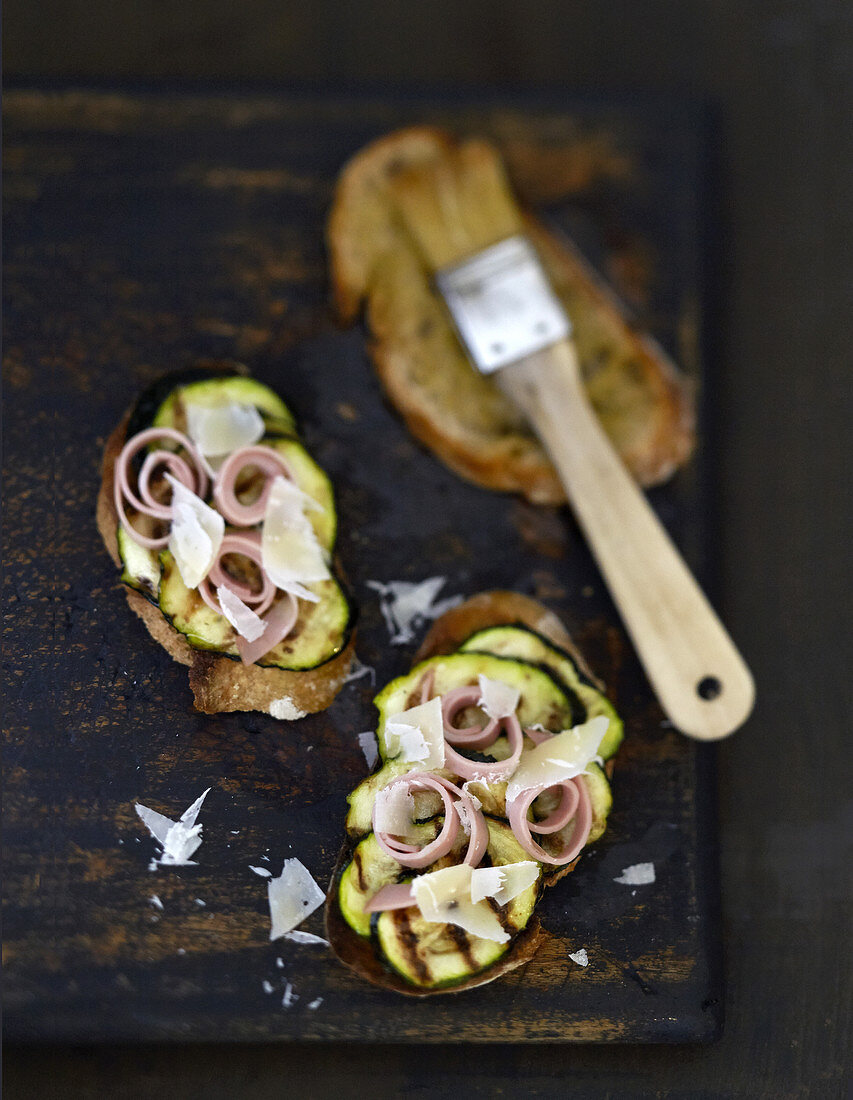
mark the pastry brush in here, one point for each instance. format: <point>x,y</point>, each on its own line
<point>464,221</point>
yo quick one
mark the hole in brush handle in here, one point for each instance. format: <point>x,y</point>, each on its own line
<point>709,688</point>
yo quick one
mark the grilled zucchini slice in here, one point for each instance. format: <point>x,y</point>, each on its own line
<point>321,632</point>
<point>526,645</point>
<point>542,699</point>
<point>433,955</point>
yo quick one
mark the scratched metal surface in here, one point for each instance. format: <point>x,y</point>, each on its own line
<point>143,232</point>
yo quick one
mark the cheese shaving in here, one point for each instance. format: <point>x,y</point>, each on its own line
<point>357,670</point>
<point>179,839</point>
<point>503,883</point>
<point>290,552</point>
<point>466,787</point>
<point>417,735</point>
<point>406,606</point>
<point>497,699</point>
<point>394,811</point>
<point>305,937</point>
<point>196,534</point>
<point>580,957</point>
<point>242,618</point>
<point>638,874</point>
<point>561,757</point>
<point>370,747</point>
<point>264,872</point>
<point>486,882</point>
<point>464,817</point>
<point>445,897</point>
<point>217,430</point>
<point>293,896</point>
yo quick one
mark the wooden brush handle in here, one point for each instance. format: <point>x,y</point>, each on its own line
<point>699,677</point>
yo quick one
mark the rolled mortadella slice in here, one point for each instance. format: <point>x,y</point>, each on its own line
<point>579,810</point>
<point>268,462</point>
<point>410,855</point>
<point>247,544</point>
<point>189,471</point>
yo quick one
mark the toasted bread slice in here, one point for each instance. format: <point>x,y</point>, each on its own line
<point>643,401</point>
<point>218,682</point>
<point>487,609</point>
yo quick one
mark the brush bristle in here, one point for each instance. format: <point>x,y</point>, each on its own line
<point>455,207</point>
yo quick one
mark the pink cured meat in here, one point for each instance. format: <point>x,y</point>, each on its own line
<point>190,473</point>
<point>271,465</point>
<point>409,855</point>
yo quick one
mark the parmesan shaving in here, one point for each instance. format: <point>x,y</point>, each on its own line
<point>242,618</point>
<point>394,811</point>
<point>464,818</point>
<point>561,757</point>
<point>217,430</point>
<point>486,882</point>
<point>179,839</point>
<point>580,957</point>
<point>406,606</point>
<point>445,897</point>
<point>638,874</point>
<point>369,747</point>
<point>497,699</point>
<point>417,735</point>
<point>196,534</point>
<point>412,743</point>
<point>466,787</point>
<point>293,896</point>
<point>305,937</point>
<point>264,872</point>
<point>290,552</point>
<point>357,670</point>
<point>515,879</point>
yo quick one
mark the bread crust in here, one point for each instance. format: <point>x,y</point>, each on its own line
<point>486,609</point>
<point>645,404</point>
<point>218,682</point>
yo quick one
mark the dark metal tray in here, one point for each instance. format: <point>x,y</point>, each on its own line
<point>146,231</point>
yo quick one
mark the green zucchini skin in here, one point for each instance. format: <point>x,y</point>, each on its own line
<point>543,699</point>
<point>426,954</point>
<point>278,418</point>
<point>525,644</point>
<point>420,956</point>
<point>323,630</point>
<point>439,956</point>
<point>152,397</point>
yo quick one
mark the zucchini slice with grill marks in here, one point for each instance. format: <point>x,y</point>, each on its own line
<point>369,870</point>
<point>526,645</point>
<point>322,629</point>
<point>434,955</point>
<point>542,699</point>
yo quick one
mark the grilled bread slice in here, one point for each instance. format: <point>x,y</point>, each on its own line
<point>643,401</point>
<point>218,680</point>
<point>398,950</point>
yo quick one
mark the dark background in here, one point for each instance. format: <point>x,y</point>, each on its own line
<point>778,76</point>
